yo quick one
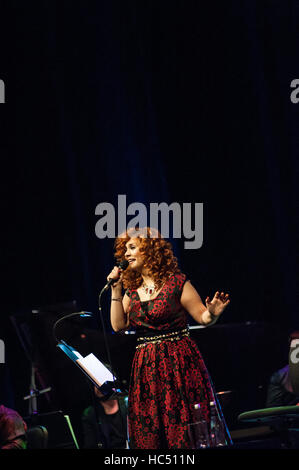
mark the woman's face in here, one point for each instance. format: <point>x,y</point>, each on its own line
<point>133,255</point>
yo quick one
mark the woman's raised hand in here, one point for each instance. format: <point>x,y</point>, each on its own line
<point>219,302</point>
<point>116,274</point>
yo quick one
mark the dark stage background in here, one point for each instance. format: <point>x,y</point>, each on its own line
<point>181,101</point>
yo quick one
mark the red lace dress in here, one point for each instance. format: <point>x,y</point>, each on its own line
<point>168,374</point>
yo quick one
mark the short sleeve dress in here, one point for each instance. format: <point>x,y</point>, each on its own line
<point>168,373</point>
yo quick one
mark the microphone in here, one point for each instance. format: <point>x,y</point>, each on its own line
<point>122,265</point>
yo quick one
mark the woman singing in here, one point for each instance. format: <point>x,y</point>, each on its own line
<point>168,373</point>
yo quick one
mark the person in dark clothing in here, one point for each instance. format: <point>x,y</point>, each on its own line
<point>106,426</point>
<point>280,391</point>
<point>12,429</point>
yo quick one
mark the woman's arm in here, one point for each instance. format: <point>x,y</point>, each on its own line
<point>204,314</point>
<point>119,310</point>
<point>119,304</point>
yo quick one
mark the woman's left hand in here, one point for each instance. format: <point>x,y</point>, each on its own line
<point>219,302</point>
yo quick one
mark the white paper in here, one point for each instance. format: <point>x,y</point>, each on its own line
<point>77,354</point>
<point>95,368</point>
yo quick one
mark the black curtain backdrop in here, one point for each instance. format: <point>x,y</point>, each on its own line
<point>161,101</point>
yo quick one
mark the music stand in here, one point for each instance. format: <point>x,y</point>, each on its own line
<point>96,372</point>
<point>25,326</point>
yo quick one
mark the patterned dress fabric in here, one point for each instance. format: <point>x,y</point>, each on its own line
<point>168,376</point>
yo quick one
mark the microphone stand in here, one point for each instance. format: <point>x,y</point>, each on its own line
<point>105,288</point>
<point>31,354</point>
<point>34,393</point>
<point>122,265</point>
<point>104,331</point>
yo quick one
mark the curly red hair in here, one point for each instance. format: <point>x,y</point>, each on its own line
<point>159,259</point>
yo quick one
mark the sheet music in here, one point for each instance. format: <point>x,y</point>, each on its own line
<point>95,369</point>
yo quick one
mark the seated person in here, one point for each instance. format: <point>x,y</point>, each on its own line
<point>12,429</point>
<point>111,430</point>
<point>280,391</point>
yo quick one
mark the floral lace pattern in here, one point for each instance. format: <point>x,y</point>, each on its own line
<point>168,377</point>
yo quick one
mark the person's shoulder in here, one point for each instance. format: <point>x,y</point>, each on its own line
<point>128,293</point>
<point>177,281</point>
<point>123,404</point>
<point>90,414</point>
<point>132,294</point>
<point>279,375</point>
<point>180,278</point>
